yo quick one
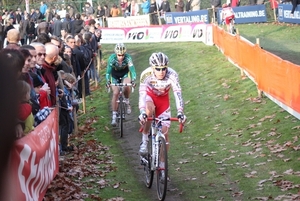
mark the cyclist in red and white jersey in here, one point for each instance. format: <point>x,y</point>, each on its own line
<point>155,84</point>
<point>227,15</point>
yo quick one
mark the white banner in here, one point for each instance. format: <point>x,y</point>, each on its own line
<point>131,21</point>
<point>166,33</point>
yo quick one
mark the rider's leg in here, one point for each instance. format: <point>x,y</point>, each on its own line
<point>114,104</point>
<point>127,91</point>
<point>150,108</point>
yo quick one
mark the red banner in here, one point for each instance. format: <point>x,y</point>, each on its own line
<point>34,162</point>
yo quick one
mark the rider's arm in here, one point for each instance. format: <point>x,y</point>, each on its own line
<point>177,91</point>
<point>109,68</point>
<point>143,89</point>
<point>131,68</point>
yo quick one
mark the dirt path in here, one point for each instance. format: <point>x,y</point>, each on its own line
<point>130,144</point>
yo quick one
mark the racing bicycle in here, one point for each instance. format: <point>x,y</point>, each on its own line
<point>122,106</point>
<point>232,29</point>
<point>157,158</point>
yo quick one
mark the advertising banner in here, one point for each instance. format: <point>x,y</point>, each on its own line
<point>166,33</point>
<point>131,21</point>
<point>247,14</point>
<point>34,162</point>
<point>187,17</point>
<point>284,14</point>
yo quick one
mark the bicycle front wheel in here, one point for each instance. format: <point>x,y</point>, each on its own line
<point>149,173</point>
<point>162,170</point>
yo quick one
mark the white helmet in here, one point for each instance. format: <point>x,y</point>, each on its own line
<point>158,59</point>
<point>120,48</point>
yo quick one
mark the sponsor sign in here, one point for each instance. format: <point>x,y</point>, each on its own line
<point>247,14</point>
<point>284,14</point>
<point>34,162</point>
<point>187,17</point>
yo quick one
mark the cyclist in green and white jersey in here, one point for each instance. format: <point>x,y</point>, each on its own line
<point>120,67</point>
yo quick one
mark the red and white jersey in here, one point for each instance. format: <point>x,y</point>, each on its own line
<point>150,85</point>
<point>227,12</point>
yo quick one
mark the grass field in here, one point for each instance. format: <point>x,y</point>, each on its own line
<point>234,146</point>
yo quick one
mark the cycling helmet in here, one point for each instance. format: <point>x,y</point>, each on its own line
<point>120,48</point>
<point>159,59</point>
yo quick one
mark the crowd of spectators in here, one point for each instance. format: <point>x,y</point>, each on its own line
<point>50,60</point>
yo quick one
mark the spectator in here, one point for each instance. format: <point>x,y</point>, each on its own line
<point>195,5</point>
<point>89,10</point>
<point>40,58</point>
<point>30,31</point>
<point>43,8</point>
<point>43,99</point>
<point>25,113</point>
<point>18,16</point>
<point>134,8</point>
<point>98,37</point>
<point>43,27</point>
<point>24,26</point>
<point>60,64</point>
<point>57,26</point>
<point>8,108</point>
<point>234,3</point>
<point>33,15</point>
<point>100,14</point>
<point>274,5</point>
<point>114,12</point>
<point>8,26</point>
<point>13,39</point>
<point>179,6</point>
<point>43,38</point>
<point>76,48</point>
<point>40,96</point>
<point>77,24</point>
<point>39,15</point>
<point>123,6</point>
<point>71,11</point>
<point>48,15</point>
<point>145,7</point>
<point>294,3</point>
<point>165,7</point>
<point>153,13</point>
<point>106,15</point>
<point>188,6</point>
<point>48,69</point>
<point>215,5</point>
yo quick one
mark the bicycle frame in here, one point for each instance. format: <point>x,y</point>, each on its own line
<point>155,156</point>
<point>121,104</point>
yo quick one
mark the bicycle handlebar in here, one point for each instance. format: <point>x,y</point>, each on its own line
<point>163,119</point>
<point>121,85</point>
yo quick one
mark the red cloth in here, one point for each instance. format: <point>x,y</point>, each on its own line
<point>44,99</point>
<point>274,4</point>
<point>24,111</point>
<point>234,3</point>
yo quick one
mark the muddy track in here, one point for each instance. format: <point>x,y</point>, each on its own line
<point>130,144</point>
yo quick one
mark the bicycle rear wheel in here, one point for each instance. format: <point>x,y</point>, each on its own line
<point>121,112</point>
<point>162,172</point>
<point>147,166</point>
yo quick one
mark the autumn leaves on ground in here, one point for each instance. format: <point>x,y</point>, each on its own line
<point>235,146</point>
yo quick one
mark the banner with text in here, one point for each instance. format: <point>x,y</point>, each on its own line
<point>284,13</point>
<point>166,33</point>
<point>131,21</point>
<point>247,14</point>
<point>34,162</point>
<point>187,17</point>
